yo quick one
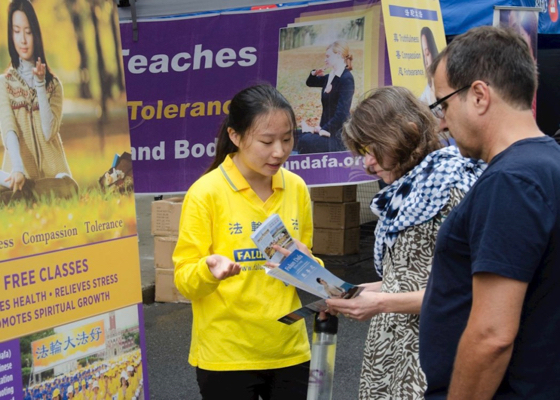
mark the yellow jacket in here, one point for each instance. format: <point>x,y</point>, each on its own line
<point>235,323</point>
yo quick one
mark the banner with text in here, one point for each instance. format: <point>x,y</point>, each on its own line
<point>415,35</point>
<point>182,72</point>
<point>75,343</point>
<point>70,310</point>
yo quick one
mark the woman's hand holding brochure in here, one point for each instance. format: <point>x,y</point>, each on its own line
<point>361,308</point>
<point>372,301</point>
<point>304,249</point>
<point>292,262</point>
<point>285,252</point>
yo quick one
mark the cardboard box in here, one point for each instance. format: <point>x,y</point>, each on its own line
<point>334,194</point>
<point>336,242</point>
<point>166,292</point>
<point>336,215</point>
<point>166,214</point>
<point>163,251</point>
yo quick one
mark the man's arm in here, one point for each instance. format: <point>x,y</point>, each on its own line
<point>486,344</point>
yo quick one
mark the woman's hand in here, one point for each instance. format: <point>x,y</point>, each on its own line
<point>305,128</point>
<point>222,267</point>
<point>39,70</point>
<point>319,72</point>
<point>16,180</point>
<point>300,246</point>
<point>362,307</point>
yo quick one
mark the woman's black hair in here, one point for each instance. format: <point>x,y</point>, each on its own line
<point>245,108</point>
<point>427,32</point>
<point>26,7</point>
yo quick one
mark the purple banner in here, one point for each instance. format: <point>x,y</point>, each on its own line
<point>10,370</point>
<point>181,73</point>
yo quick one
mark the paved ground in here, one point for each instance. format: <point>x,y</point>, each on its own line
<point>167,326</point>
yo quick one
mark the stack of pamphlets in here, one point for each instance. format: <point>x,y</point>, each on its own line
<point>299,270</point>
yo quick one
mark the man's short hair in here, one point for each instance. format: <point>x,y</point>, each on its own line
<point>497,56</point>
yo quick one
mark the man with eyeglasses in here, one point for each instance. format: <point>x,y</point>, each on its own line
<point>490,320</point>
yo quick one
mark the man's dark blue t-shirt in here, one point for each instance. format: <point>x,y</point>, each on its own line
<point>508,224</point>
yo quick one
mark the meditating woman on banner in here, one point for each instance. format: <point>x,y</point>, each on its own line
<point>429,52</point>
<point>397,135</point>
<point>337,89</point>
<point>239,348</point>
<point>31,110</point>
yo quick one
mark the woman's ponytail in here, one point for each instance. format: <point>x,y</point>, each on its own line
<point>224,146</point>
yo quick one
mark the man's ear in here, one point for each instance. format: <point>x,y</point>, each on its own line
<point>234,136</point>
<point>481,98</point>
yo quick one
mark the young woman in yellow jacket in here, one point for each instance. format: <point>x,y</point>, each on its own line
<point>239,348</point>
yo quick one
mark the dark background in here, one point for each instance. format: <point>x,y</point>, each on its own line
<point>548,93</point>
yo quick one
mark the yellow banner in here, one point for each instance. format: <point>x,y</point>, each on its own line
<point>64,346</point>
<point>415,35</point>
<point>49,290</point>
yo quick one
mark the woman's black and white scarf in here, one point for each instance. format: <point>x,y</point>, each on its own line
<point>419,195</point>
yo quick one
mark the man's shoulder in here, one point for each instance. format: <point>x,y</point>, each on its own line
<point>523,176</point>
<point>532,145</point>
<point>556,136</point>
<point>533,158</point>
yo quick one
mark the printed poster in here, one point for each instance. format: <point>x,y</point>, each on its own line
<point>415,35</point>
<point>70,312</point>
<point>525,21</point>
<point>182,71</point>
<point>312,53</point>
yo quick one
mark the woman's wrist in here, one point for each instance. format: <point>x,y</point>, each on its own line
<point>401,303</point>
<point>38,81</point>
<point>384,302</point>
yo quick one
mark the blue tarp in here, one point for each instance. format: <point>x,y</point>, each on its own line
<point>549,17</point>
<point>460,16</point>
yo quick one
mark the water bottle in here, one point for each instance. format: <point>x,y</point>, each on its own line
<point>323,352</point>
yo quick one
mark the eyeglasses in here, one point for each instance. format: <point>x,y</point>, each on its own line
<point>363,151</point>
<point>436,107</point>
